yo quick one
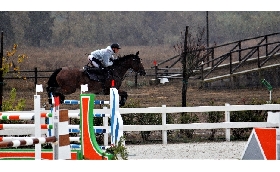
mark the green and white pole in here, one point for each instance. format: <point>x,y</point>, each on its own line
<point>269,87</point>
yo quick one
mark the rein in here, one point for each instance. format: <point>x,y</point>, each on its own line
<point>116,74</point>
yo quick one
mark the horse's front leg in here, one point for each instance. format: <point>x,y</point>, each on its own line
<point>123,96</point>
<point>56,92</point>
<point>121,93</point>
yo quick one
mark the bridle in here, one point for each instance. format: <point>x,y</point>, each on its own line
<point>115,74</point>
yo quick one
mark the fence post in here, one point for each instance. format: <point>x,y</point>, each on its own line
<point>36,72</point>
<point>164,132</point>
<point>227,119</point>
<point>37,122</point>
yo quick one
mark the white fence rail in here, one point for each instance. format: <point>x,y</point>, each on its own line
<point>227,125</point>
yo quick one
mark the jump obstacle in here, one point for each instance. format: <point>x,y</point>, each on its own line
<point>264,143</point>
<point>115,119</point>
<point>88,140</point>
<point>60,141</point>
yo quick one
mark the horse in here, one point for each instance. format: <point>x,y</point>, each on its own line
<point>64,81</point>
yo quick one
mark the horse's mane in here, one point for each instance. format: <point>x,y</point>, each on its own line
<point>123,58</point>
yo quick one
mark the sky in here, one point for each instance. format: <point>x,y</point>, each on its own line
<point>142,5</point>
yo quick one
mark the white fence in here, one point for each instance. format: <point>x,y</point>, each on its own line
<point>227,125</point>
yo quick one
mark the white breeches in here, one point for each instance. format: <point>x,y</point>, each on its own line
<point>93,62</point>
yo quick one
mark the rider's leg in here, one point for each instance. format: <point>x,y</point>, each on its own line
<point>94,64</point>
<point>93,61</point>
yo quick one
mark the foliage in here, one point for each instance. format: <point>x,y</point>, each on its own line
<point>8,62</point>
<point>246,116</point>
<point>148,119</point>
<point>187,118</point>
<point>141,119</point>
<point>119,150</point>
<point>13,104</point>
<point>136,28</point>
<point>213,117</point>
<point>130,119</point>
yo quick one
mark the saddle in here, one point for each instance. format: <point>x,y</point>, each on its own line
<point>96,74</point>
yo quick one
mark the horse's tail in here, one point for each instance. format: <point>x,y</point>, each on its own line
<point>52,84</point>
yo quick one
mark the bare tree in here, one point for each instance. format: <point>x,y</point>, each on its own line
<point>192,53</point>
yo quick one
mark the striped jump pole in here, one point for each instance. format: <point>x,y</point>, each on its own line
<point>27,141</point>
<point>60,122</point>
<point>26,126</point>
<point>116,119</point>
<point>84,88</point>
<point>76,102</point>
<point>30,116</point>
<point>8,139</point>
<point>78,146</point>
<point>72,128</point>
<point>22,116</point>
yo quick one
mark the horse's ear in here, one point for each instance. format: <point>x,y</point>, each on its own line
<point>137,53</point>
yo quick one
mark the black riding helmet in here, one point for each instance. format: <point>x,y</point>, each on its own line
<point>115,45</point>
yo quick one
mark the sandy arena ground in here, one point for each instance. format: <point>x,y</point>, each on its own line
<point>207,150</point>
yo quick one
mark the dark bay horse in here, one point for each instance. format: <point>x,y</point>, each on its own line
<point>65,81</point>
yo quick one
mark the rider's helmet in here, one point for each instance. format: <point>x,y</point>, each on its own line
<point>115,45</point>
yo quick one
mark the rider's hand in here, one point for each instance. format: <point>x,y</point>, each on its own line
<point>112,59</point>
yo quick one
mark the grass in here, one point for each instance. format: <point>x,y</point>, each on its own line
<point>52,58</point>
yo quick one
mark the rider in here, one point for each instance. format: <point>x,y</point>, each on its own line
<point>104,57</point>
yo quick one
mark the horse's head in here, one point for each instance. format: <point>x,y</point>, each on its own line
<point>136,64</point>
<point>131,61</point>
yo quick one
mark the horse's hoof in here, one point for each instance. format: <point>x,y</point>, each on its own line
<point>50,101</point>
<point>122,103</point>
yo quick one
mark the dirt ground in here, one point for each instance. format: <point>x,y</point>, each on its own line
<point>169,94</point>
